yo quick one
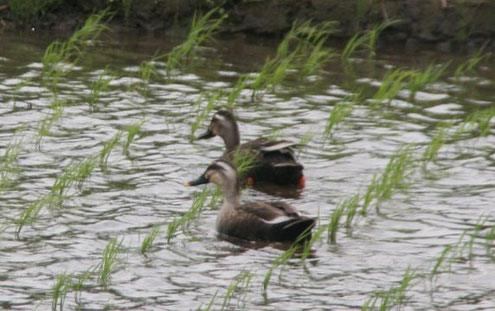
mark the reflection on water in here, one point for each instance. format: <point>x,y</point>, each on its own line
<point>144,187</point>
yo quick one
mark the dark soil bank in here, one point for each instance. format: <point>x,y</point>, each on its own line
<point>444,24</point>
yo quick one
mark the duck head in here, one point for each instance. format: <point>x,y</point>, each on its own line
<point>222,173</point>
<point>223,124</point>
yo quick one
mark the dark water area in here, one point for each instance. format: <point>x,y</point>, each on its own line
<point>144,187</point>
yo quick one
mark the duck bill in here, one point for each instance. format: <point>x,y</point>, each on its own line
<point>198,181</point>
<point>206,135</point>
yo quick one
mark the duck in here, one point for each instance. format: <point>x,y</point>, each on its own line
<point>256,220</point>
<point>274,161</point>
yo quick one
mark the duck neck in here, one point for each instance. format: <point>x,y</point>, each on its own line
<point>231,195</point>
<point>232,139</point>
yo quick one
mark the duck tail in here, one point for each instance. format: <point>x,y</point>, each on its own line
<point>298,229</point>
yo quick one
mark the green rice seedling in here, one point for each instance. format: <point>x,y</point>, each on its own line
<point>216,196</point>
<point>281,260</point>
<point>203,111</point>
<point>60,289</point>
<point>132,131</point>
<point>244,161</point>
<point>305,140</point>
<point>185,220</point>
<point>202,29</point>
<point>208,307</point>
<point>334,224</point>
<point>281,71</point>
<point>59,53</point>
<point>470,64</point>
<point>31,213</point>
<point>369,195</point>
<point>489,239</point>
<point>395,297</point>
<point>482,118</point>
<point>367,39</point>
<point>339,112</point>
<point>315,236</point>
<point>8,163</point>
<point>240,283</point>
<point>238,87</point>
<point>78,284</point>
<point>350,207</point>
<point>354,43</point>
<point>57,106</point>
<point>18,86</point>
<point>440,260</point>
<point>74,175</point>
<point>373,34</point>
<point>419,80</point>
<point>147,70</point>
<point>28,11</point>
<point>101,84</point>
<point>108,261</point>
<point>395,173</point>
<point>476,233</point>
<point>108,146</point>
<point>149,239</point>
<point>437,141</point>
<point>392,84</point>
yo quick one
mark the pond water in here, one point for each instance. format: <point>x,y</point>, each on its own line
<point>144,187</point>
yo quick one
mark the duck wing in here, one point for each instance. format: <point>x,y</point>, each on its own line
<point>275,162</point>
<point>276,221</point>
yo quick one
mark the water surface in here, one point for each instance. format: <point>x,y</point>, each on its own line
<point>144,187</point>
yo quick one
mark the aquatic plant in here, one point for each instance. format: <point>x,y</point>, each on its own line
<point>74,175</point>
<point>308,55</point>
<point>391,85</point>
<point>8,162</point>
<point>350,207</point>
<point>239,284</point>
<point>471,63</point>
<point>149,239</point>
<point>482,118</point>
<point>132,131</point>
<point>334,224</point>
<point>243,160</point>
<point>185,220</point>
<point>436,142</point>
<point>108,146</point>
<point>305,140</point>
<point>394,176</point>
<point>418,80</point>
<point>57,108</point>
<point>101,84</point>
<point>393,298</point>
<point>369,195</point>
<point>203,111</point>
<point>108,261</point>
<point>59,56</point>
<point>60,289</point>
<point>308,245</point>
<point>31,213</point>
<point>78,284</point>
<point>339,112</point>
<point>236,90</point>
<point>279,261</point>
<point>202,29</point>
<point>367,39</point>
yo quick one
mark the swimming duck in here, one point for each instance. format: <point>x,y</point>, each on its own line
<point>274,160</point>
<point>257,220</point>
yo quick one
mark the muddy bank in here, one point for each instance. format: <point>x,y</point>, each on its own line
<point>442,24</point>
